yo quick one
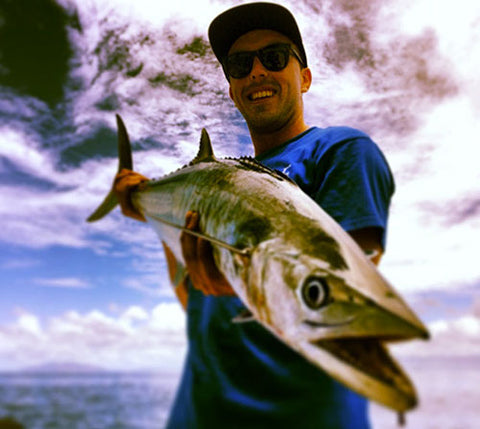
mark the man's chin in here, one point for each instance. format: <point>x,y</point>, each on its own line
<point>265,122</point>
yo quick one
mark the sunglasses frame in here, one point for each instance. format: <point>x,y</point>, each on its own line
<point>285,47</point>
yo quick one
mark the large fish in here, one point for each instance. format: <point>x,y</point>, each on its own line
<point>296,270</point>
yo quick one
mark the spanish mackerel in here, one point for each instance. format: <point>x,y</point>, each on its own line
<point>296,270</point>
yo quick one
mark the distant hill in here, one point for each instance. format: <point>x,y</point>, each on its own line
<point>64,368</point>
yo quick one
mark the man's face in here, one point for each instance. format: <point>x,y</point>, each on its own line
<point>269,100</point>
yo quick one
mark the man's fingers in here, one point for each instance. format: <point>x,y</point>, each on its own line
<point>189,242</point>
<point>205,253</point>
<point>191,220</point>
<point>171,261</point>
<point>127,180</point>
<point>198,256</point>
<point>194,260</point>
<point>124,183</point>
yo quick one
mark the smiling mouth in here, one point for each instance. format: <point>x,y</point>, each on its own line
<point>260,95</point>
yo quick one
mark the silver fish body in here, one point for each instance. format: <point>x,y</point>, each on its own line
<point>296,270</point>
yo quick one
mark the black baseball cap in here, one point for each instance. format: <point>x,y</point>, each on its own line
<point>227,27</point>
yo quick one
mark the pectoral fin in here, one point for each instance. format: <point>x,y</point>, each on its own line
<point>244,316</point>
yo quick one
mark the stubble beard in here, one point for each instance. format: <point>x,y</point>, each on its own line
<point>264,121</point>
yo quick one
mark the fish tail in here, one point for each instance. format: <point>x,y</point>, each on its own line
<point>124,161</point>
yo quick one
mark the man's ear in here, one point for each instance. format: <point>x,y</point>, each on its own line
<point>230,93</point>
<point>306,79</point>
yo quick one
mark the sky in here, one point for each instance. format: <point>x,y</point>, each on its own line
<point>404,71</point>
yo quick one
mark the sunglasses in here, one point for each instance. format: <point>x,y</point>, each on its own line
<point>273,58</point>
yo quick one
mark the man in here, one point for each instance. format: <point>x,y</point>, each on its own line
<point>239,375</point>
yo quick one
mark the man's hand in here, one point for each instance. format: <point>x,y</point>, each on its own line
<point>369,240</point>
<point>125,182</point>
<point>201,267</point>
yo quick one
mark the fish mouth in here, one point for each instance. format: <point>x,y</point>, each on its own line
<point>382,377</point>
<point>342,319</point>
<point>315,324</point>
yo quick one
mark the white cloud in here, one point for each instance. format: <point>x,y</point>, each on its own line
<point>158,12</point>
<point>135,339</point>
<point>458,336</point>
<point>29,323</point>
<point>426,249</point>
<point>135,313</point>
<point>141,339</point>
<point>22,151</point>
<point>35,217</point>
<point>437,164</point>
<point>63,282</point>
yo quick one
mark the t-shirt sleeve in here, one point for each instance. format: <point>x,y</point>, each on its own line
<point>355,185</point>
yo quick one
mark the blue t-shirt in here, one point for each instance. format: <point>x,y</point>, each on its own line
<point>240,375</point>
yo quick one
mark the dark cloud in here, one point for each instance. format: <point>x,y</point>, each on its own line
<point>115,51</point>
<point>53,70</point>
<point>403,62</point>
<point>13,175</point>
<point>415,65</point>
<point>447,303</point>
<point>197,48</point>
<point>35,50</point>
<point>184,83</point>
<point>164,65</point>
<point>101,144</point>
<point>408,69</point>
<point>465,209</point>
<point>452,212</point>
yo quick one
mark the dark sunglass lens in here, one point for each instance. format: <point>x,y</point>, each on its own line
<point>274,59</point>
<point>239,65</point>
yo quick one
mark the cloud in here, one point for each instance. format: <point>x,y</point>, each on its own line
<point>403,76</point>
<point>41,37</point>
<point>134,339</point>
<point>139,339</point>
<point>383,93</point>
<point>63,282</point>
<point>29,324</point>
<point>148,285</point>
<point>135,313</point>
<point>453,337</point>
<point>24,153</point>
<point>434,222</point>
<point>35,216</point>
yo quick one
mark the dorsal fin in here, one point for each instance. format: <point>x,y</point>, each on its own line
<point>205,152</point>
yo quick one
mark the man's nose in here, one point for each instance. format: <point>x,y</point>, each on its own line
<point>258,69</point>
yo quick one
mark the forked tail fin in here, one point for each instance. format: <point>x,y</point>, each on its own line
<point>124,161</point>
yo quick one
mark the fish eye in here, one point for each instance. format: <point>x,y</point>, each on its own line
<point>315,292</point>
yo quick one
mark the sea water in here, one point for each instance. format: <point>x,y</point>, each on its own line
<point>449,393</point>
<point>87,401</point>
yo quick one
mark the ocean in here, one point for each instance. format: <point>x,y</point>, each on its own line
<point>449,391</point>
<point>88,400</point>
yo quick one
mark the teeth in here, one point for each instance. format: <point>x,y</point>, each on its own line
<point>261,94</point>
